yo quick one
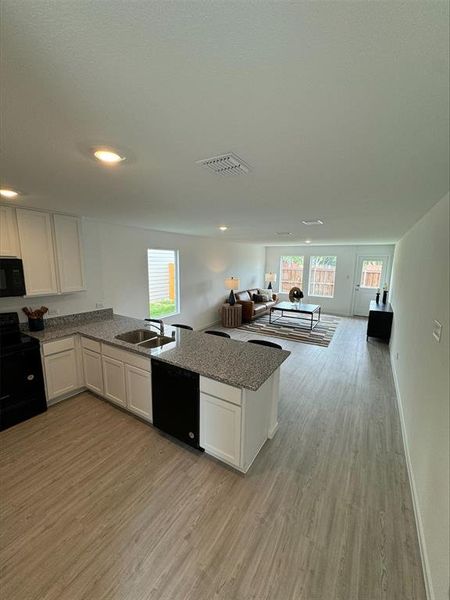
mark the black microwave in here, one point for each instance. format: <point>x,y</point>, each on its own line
<point>12,280</point>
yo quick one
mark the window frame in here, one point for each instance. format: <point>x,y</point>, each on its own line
<point>310,282</point>
<point>281,270</point>
<point>177,282</point>
<point>367,260</point>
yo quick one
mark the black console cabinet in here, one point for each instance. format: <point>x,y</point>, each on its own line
<point>380,321</point>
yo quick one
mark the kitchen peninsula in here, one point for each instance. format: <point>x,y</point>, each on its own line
<point>236,384</point>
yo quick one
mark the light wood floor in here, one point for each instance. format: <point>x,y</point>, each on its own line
<point>98,505</point>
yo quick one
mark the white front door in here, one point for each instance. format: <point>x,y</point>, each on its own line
<point>371,276</point>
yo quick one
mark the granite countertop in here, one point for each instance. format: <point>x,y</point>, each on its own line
<point>230,361</point>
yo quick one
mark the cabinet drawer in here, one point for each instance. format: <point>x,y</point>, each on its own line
<point>220,390</point>
<point>58,346</point>
<point>130,358</point>
<point>90,344</point>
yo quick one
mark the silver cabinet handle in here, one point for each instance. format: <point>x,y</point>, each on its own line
<point>30,377</point>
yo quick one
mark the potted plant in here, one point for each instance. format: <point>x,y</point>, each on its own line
<point>35,317</point>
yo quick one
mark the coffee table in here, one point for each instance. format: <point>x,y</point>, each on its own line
<point>299,308</point>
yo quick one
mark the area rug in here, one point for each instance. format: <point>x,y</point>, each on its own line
<point>321,335</point>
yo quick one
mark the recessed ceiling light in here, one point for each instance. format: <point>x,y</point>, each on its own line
<point>9,193</point>
<point>108,156</point>
<point>307,241</point>
<point>284,233</point>
<point>223,228</point>
<point>313,222</point>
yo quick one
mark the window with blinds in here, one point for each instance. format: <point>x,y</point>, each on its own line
<point>163,283</point>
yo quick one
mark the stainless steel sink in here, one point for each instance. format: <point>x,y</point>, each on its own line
<point>156,342</point>
<point>137,336</point>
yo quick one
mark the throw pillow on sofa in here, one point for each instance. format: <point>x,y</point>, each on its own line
<point>267,293</point>
<point>261,298</point>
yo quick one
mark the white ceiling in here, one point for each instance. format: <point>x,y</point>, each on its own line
<point>340,108</point>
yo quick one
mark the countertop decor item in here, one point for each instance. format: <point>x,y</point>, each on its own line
<point>271,278</point>
<point>232,283</point>
<point>385,294</point>
<point>35,317</point>
<point>296,294</point>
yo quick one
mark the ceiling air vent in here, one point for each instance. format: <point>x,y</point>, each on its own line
<point>225,164</point>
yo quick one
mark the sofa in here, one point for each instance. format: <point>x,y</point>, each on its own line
<point>250,309</point>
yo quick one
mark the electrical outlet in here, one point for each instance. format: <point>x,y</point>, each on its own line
<point>53,312</point>
<point>99,305</point>
<point>437,330</point>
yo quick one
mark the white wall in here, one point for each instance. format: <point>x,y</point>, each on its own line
<point>117,276</point>
<point>204,263</point>
<point>420,294</point>
<point>342,302</point>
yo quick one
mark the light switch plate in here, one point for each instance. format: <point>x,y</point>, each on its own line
<point>437,330</point>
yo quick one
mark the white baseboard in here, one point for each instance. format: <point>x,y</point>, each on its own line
<point>412,485</point>
<point>213,324</point>
<point>272,431</point>
<point>54,401</point>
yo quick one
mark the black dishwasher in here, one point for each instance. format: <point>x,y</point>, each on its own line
<point>176,402</point>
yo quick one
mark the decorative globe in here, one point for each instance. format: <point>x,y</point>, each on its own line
<point>296,294</point>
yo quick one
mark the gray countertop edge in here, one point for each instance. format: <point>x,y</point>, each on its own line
<point>247,367</point>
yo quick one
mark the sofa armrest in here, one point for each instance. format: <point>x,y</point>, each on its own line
<point>247,309</point>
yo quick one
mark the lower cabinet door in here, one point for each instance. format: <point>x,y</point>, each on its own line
<point>92,367</point>
<point>114,380</point>
<point>61,373</point>
<point>220,428</point>
<point>139,391</point>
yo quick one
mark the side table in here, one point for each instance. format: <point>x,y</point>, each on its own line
<point>232,315</point>
<point>380,321</point>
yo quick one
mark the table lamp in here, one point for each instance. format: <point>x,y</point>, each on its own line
<point>232,283</point>
<point>271,278</point>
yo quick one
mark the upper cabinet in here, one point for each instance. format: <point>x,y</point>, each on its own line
<point>69,253</point>
<point>36,243</point>
<point>9,236</point>
<point>50,247</point>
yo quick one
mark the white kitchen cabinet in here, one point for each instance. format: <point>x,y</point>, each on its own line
<point>92,367</point>
<point>9,234</point>
<point>61,373</point>
<point>69,253</point>
<point>220,428</point>
<point>139,391</point>
<point>114,380</point>
<point>61,367</point>
<point>36,243</point>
